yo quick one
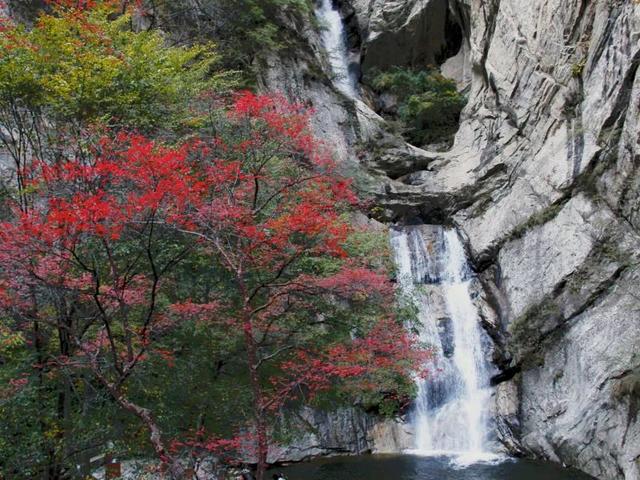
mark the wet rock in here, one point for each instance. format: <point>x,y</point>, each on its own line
<point>321,433</point>
<point>507,420</point>
<point>445,331</point>
<point>391,436</point>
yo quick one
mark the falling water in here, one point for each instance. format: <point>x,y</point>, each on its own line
<point>450,416</point>
<point>334,40</point>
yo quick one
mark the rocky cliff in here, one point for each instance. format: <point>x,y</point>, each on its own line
<point>543,182</point>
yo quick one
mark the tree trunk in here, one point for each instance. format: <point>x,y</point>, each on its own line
<point>258,404</point>
<point>64,393</point>
<point>154,429</point>
<point>173,469</point>
<point>143,414</point>
<point>50,471</point>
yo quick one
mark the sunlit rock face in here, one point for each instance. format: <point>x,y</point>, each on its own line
<point>542,182</point>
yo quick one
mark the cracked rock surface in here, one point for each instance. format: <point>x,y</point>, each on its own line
<point>543,183</point>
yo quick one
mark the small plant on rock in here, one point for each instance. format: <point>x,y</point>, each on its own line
<point>428,104</point>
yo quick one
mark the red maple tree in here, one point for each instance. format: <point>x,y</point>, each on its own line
<point>263,202</point>
<point>272,215</point>
<point>90,257</point>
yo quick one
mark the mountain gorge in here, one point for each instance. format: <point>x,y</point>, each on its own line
<point>542,183</point>
<point>535,187</point>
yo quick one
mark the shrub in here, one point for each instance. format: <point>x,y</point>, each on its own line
<point>429,104</point>
<point>577,68</point>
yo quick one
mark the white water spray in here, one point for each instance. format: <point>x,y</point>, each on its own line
<point>450,415</point>
<point>334,40</point>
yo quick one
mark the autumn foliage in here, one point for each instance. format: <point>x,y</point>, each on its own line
<point>95,256</point>
<point>179,270</point>
<point>273,210</point>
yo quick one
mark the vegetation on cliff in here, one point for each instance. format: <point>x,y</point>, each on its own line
<point>426,104</point>
<point>244,30</point>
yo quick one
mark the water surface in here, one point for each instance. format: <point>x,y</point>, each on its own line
<point>413,467</point>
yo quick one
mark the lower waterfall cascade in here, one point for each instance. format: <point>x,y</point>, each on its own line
<point>450,416</point>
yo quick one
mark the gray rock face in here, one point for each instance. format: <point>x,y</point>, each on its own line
<point>401,32</point>
<point>25,11</point>
<point>543,182</point>
<point>345,431</point>
<point>580,405</point>
<point>507,414</point>
<point>538,111</point>
<point>553,250</point>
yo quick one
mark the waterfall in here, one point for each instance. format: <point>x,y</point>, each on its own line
<point>450,415</point>
<point>334,39</point>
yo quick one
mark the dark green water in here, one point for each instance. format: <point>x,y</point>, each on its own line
<point>410,467</point>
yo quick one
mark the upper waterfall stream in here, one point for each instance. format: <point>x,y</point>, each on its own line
<point>450,415</point>
<point>334,40</point>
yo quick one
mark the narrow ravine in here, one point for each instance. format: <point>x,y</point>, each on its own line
<point>451,410</point>
<point>543,257</point>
